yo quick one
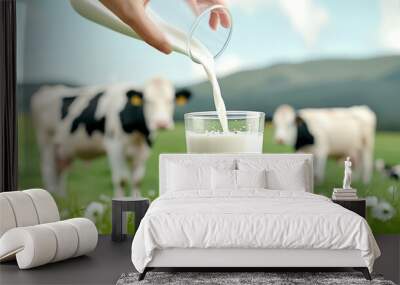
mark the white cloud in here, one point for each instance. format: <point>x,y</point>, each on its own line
<point>307,17</point>
<point>389,29</point>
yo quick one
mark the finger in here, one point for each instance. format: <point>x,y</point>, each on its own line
<point>147,30</point>
<point>224,16</point>
<point>214,20</point>
<point>224,19</point>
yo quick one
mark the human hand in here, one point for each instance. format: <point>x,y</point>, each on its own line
<point>132,13</point>
<point>217,16</point>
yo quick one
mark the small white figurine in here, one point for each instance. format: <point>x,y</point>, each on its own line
<point>347,174</point>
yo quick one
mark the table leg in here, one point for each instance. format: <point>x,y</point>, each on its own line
<point>117,219</point>
<point>124,222</point>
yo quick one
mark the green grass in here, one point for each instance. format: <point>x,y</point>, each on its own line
<point>87,181</point>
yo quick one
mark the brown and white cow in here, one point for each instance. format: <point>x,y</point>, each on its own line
<point>336,132</point>
<point>117,120</point>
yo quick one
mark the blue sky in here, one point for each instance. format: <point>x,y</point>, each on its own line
<point>56,44</point>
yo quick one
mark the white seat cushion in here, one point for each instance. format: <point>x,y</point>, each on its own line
<point>23,209</point>
<point>31,232</point>
<point>87,235</point>
<point>66,237</point>
<point>40,244</point>
<point>26,208</point>
<point>32,246</point>
<point>7,220</point>
<point>45,206</point>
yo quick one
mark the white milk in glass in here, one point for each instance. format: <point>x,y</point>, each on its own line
<point>224,142</point>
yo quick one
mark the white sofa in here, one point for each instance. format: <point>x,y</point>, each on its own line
<point>31,231</point>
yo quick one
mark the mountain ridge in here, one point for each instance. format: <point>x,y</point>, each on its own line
<point>318,83</point>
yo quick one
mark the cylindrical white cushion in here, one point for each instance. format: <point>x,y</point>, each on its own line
<point>23,208</point>
<point>67,240</point>
<point>26,208</point>
<point>33,246</point>
<point>41,244</point>
<point>87,234</point>
<point>7,218</point>
<point>46,207</point>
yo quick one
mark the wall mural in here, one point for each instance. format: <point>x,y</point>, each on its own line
<point>97,108</point>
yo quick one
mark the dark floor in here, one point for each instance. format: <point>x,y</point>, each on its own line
<point>389,262</point>
<point>110,260</point>
<point>102,266</point>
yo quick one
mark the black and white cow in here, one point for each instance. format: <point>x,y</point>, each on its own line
<point>336,132</point>
<point>118,120</point>
<point>388,170</point>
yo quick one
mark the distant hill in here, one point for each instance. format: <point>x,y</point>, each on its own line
<point>322,83</point>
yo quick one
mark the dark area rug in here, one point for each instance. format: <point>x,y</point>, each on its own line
<point>233,278</point>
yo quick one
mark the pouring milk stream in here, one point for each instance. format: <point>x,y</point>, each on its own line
<point>95,11</point>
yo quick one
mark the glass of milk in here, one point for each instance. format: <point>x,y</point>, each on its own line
<point>204,133</point>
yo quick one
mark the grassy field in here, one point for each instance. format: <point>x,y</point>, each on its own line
<point>89,182</point>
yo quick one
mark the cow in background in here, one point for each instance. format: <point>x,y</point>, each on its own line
<point>117,120</point>
<point>336,132</point>
<point>388,170</point>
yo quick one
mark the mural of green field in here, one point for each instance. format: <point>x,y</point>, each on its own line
<point>91,181</point>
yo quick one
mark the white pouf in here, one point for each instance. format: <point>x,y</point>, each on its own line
<point>87,234</point>
<point>22,207</point>
<point>46,207</point>
<point>66,237</point>
<point>41,244</point>
<point>31,232</point>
